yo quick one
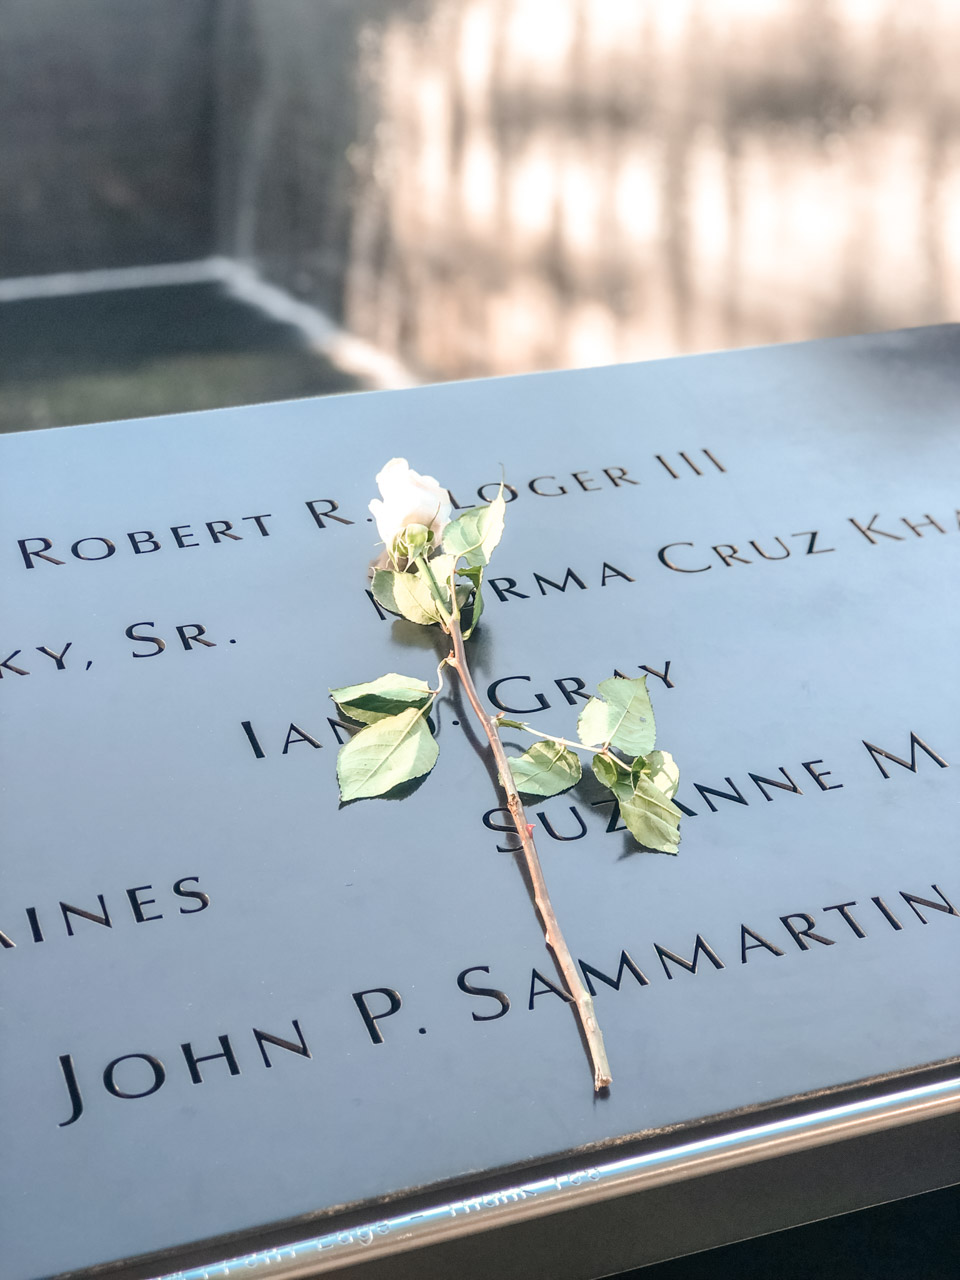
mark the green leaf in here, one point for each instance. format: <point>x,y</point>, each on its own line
<point>386,696</point>
<point>545,769</point>
<point>441,569</point>
<point>407,594</point>
<point>661,768</point>
<point>504,722</point>
<point>475,534</point>
<point>384,754</point>
<point>645,801</point>
<point>650,816</point>
<point>474,574</point>
<point>624,720</point>
<point>609,772</point>
<point>442,566</point>
<point>476,609</point>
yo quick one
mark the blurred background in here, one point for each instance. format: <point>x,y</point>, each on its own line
<point>206,202</point>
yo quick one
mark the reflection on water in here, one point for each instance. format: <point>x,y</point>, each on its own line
<point>541,183</point>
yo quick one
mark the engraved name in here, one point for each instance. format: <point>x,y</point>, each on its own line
<point>142,1072</point>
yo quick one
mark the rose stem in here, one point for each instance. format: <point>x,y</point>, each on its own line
<point>582,1001</point>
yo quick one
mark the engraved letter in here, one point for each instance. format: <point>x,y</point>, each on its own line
<point>493,695</point>
<point>29,556</point>
<point>611,571</point>
<point>536,977</point>
<point>555,493</point>
<point>329,508</point>
<point>763,783</point>
<point>887,913</point>
<point>689,965</point>
<point>800,935</point>
<point>618,476</point>
<point>509,590</point>
<point>575,691</point>
<point>8,664</point>
<point>492,992</point>
<point>302,736</point>
<point>263,1037</point>
<point>812,548</point>
<point>877,752</point>
<point>110,549</point>
<point>154,640</point>
<point>851,921</point>
<point>156,1066</point>
<point>372,598</point>
<point>57,657</point>
<point>759,941</point>
<point>266,515</point>
<point>927,522</point>
<point>370,1019</point>
<point>181,532</point>
<point>626,962</point>
<point>614,824</point>
<point>508,828</point>
<point>819,774</point>
<point>252,738</point>
<point>728,553</point>
<point>868,531</point>
<point>509,492</point>
<point>760,551</point>
<point>67,911</point>
<point>137,904</point>
<point>911,900</point>
<point>193,1062</point>
<point>548,826</point>
<point>201,897</point>
<point>569,576</point>
<point>218,529</point>
<point>663,675</point>
<point>143,542</point>
<point>73,1089</point>
<point>665,560</point>
<point>735,794</point>
<point>196,631</point>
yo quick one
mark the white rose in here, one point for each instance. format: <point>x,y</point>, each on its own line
<point>408,498</point>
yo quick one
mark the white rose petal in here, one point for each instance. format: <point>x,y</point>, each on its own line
<point>408,498</point>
